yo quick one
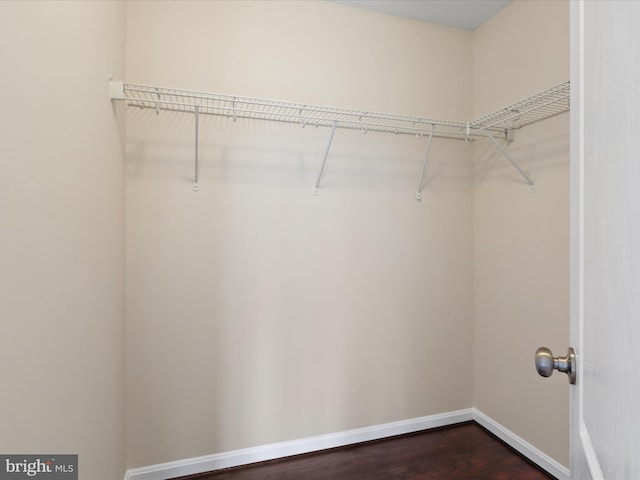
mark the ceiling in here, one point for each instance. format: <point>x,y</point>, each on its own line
<point>466,14</point>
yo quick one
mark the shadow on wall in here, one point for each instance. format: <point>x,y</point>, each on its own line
<point>257,153</point>
<point>527,150</point>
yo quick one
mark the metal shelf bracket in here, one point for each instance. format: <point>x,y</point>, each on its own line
<point>196,183</point>
<point>326,154</point>
<point>504,152</point>
<point>424,165</point>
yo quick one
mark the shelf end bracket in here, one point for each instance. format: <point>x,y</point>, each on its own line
<point>116,90</point>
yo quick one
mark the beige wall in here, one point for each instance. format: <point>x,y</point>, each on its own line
<point>62,242</point>
<point>521,239</point>
<point>520,51</point>
<point>257,312</point>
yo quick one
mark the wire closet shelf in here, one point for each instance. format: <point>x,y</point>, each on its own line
<point>500,123</point>
<point>551,102</point>
<point>497,124</point>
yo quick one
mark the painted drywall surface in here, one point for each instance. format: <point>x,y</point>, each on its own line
<point>62,240</point>
<point>302,51</point>
<point>521,239</point>
<point>256,311</point>
<point>522,50</point>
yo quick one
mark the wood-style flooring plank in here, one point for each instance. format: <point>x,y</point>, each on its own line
<point>461,452</point>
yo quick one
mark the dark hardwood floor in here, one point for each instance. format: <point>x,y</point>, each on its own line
<point>464,451</point>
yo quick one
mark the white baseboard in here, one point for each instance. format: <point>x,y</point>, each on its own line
<point>541,459</point>
<point>245,456</point>
<point>207,463</point>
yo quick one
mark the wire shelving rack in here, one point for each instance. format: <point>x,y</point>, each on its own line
<point>499,124</point>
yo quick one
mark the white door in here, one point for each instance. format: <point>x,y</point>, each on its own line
<point>605,242</point>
